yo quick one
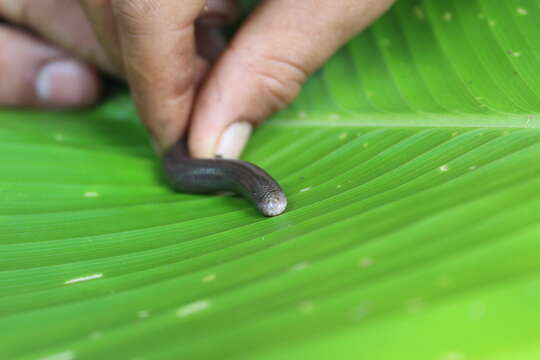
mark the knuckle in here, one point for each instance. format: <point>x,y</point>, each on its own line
<point>147,75</point>
<point>136,17</point>
<point>141,17</point>
<point>16,10</point>
<point>97,4</point>
<point>100,4</point>
<point>97,7</point>
<point>183,84</point>
<point>134,9</point>
<point>15,71</point>
<point>281,79</point>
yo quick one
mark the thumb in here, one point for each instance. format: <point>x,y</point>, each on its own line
<point>265,66</point>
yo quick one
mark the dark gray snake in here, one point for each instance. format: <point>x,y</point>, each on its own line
<point>190,175</point>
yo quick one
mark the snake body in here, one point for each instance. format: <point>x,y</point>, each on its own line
<point>187,174</point>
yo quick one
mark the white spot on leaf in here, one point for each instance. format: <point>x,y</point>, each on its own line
<point>300,266</point>
<point>522,11</point>
<point>96,335</point>
<point>333,116</point>
<point>91,194</point>
<point>447,16</point>
<point>66,355</point>
<point>84,278</point>
<point>415,306</point>
<point>360,312</point>
<point>192,308</point>
<point>366,261</point>
<point>443,168</point>
<point>306,307</point>
<point>453,355</point>
<point>211,277</point>
<point>419,12</point>
<point>305,189</point>
<point>143,314</point>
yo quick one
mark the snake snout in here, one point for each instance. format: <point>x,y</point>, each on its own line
<point>273,204</point>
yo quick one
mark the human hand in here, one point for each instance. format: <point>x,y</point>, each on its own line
<point>49,55</point>
<point>266,64</point>
<point>151,43</point>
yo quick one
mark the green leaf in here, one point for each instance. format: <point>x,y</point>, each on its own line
<point>411,164</point>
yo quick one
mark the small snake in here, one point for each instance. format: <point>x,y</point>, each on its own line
<point>190,175</point>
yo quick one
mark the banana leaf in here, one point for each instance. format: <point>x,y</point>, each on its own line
<point>411,163</point>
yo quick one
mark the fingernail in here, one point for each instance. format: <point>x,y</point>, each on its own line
<point>233,140</point>
<point>66,83</point>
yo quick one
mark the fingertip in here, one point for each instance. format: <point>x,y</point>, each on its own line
<point>226,142</point>
<point>162,141</point>
<point>158,47</point>
<point>202,145</point>
<point>67,83</point>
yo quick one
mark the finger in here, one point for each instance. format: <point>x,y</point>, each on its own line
<point>265,66</point>
<point>158,48</point>
<point>101,17</point>
<point>72,30</point>
<point>63,23</point>
<point>37,74</point>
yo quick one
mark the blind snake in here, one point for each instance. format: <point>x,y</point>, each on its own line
<point>187,174</point>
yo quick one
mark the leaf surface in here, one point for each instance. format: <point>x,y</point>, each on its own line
<point>411,164</point>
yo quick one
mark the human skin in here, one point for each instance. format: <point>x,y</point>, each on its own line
<point>152,44</point>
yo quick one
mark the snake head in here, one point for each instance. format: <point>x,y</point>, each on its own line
<point>273,204</point>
